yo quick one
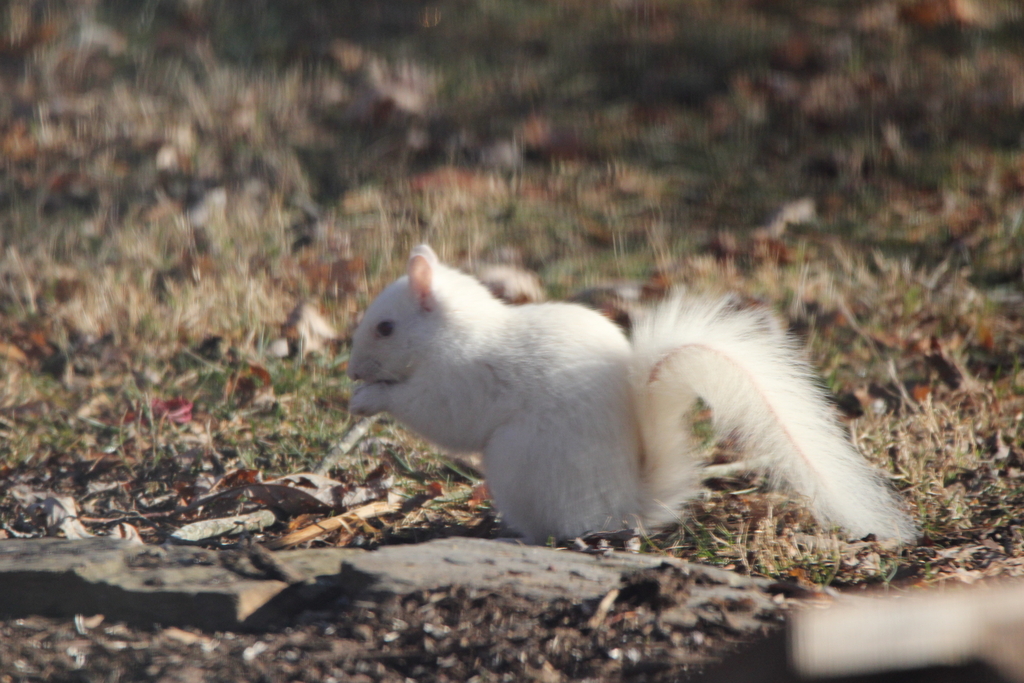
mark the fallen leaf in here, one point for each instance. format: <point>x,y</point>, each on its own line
<point>94,35</point>
<point>234,478</point>
<point>511,284</point>
<point>337,278</point>
<point>17,144</point>
<point>336,495</point>
<point>278,348</point>
<point>796,53</point>
<point>768,249</point>
<point>54,513</point>
<point>985,337</point>
<point>261,372</point>
<point>448,178</point>
<point>182,636</point>
<point>404,89</point>
<point>325,526</point>
<point>224,526</point>
<point>84,624</point>
<point>304,493</point>
<point>1000,449</point>
<point>127,532</point>
<point>176,410</point>
<point>479,496</point>
<point>920,391</point>
<point>349,56</point>
<point>250,387</point>
<point>11,352</point>
<point>310,329</point>
<point>933,13</point>
<point>20,46</point>
<point>791,213</point>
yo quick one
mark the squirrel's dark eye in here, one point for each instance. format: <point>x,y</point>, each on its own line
<point>385,328</point>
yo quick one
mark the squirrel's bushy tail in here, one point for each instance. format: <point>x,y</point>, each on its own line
<point>751,374</point>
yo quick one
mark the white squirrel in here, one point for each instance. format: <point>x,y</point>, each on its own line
<point>583,431</point>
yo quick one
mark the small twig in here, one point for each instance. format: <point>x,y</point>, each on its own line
<point>852,323</point>
<point>212,365</point>
<point>343,447</point>
<point>733,469</point>
<point>330,524</point>
<point>127,518</point>
<point>908,400</point>
<point>603,608</point>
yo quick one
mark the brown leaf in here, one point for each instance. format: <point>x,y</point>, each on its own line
<point>324,526</point>
<point>260,372</point>
<point>239,477</point>
<point>449,178</point>
<point>986,339</point>
<point>17,144</point>
<point>796,53</point>
<point>12,352</point>
<point>920,391</point>
<point>250,387</point>
<point>197,266</point>
<point>768,249</point>
<point>23,44</point>
<point>337,278</point>
<point>656,286</point>
<point>479,496</point>
<point>544,140</point>
<point>176,410</point>
<point>52,512</point>
<point>349,56</point>
<point>304,493</point>
<point>326,491</point>
<point>933,13</point>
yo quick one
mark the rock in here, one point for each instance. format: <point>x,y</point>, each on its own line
<point>530,571</point>
<point>171,586</point>
<point>238,589</point>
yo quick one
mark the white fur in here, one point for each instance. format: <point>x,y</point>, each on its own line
<point>582,431</point>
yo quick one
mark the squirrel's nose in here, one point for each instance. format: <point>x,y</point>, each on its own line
<point>352,371</point>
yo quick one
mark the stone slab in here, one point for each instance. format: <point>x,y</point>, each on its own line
<point>230,590</point>
<point>167,585</point>
<point>530,571</point>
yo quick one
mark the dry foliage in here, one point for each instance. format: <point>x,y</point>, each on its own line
<point>186,232</point>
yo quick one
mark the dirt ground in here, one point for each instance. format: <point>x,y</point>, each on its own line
<point>452,635</point>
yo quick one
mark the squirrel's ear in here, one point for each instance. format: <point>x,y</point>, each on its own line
<point>421,275</point>
<point>426,252</point>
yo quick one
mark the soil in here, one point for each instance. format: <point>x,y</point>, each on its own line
<point>450,635</point>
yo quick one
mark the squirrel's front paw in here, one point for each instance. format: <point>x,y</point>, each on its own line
<point>368,399</point>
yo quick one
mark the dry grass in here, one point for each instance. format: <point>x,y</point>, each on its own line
<point>157,193</point>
